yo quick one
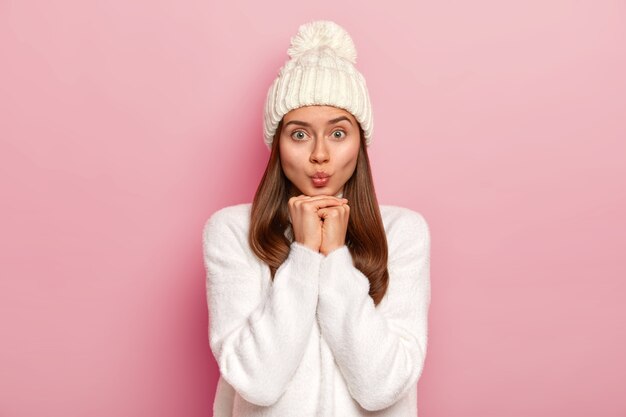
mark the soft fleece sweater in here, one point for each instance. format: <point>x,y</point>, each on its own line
<point>312,342</point>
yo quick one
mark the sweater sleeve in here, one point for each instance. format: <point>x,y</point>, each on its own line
<point>380,350</point>
<point>258,340</point>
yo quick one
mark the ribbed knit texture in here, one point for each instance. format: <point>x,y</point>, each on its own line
<point>312,343</point>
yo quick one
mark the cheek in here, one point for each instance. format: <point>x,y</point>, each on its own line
<point>291,161</point>
<point>347,158</point>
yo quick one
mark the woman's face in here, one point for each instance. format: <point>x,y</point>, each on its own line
<point>322,140</point>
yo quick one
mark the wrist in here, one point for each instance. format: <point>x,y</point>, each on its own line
<point>328,250</point>
<point>309,245</point>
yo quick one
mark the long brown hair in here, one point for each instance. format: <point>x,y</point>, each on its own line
<point>365,237</point>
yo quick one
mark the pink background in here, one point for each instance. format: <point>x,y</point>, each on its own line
<point>124,125</point>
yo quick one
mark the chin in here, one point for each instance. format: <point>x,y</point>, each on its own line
<point>311,191</point>
<point>322,191</point>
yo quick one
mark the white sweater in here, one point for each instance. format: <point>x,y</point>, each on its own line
<point>312,343</point>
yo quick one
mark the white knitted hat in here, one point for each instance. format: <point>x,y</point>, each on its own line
<point>320,72</point>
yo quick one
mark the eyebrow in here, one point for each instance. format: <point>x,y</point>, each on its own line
<point>330,122</point>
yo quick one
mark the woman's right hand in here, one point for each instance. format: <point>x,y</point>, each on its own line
<point>306,222</point>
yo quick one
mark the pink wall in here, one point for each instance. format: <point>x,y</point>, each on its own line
<point>124,125</point>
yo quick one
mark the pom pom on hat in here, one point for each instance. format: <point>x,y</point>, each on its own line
<point>320,71</point>
<point>323,33</point>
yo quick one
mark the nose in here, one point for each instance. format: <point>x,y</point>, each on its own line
<point>320,151</point>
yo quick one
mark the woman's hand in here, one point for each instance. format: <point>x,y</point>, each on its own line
<point>334,226</point>
<point>306,220</point>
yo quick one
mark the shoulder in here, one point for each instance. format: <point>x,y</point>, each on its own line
<point>225,242</point>
<point>407,231</point>
<point>227,220</point>
<point>237,214</point>
<point>397,219</point>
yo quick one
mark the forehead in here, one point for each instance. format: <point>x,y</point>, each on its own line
<point>317,112</point>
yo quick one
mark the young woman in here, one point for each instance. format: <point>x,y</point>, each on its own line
<point>318,297</point>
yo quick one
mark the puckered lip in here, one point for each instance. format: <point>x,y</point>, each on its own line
<point>320,174</point>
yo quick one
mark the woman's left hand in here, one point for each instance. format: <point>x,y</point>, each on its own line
<point>334,227</point>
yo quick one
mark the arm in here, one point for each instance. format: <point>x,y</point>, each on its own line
<point>258,341</point>
<point>379,350</point>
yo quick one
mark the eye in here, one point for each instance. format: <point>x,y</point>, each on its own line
<point>340,136</point>
<point>298,135</point>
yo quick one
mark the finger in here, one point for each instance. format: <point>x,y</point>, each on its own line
<point>295,199</point>
<point>323,202</point>
<point>313,197</point>
<point>334,211</point>
<point>326,213</point>
<point>332,197</point>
